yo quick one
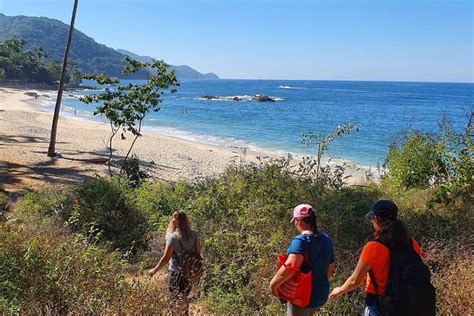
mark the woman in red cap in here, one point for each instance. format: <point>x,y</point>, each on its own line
<point>391,237</point>
<point>310,249</point>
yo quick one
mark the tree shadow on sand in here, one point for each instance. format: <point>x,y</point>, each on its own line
<point>22,139</point>
<point>48,171</point>
<point>43,172</point>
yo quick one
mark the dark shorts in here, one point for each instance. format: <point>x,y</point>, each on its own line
<point>373,306</point>
<point>178,286</point>
<point>293,310</point>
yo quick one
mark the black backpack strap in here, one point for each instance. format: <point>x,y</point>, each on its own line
<point>371,272</point>
<point>180,257</point>
<point>318,237</point>
<point>372,278</point>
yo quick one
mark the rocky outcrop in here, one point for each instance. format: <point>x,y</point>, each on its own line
<point>210,97</point>
<point>262,98</point>
<point>32,94</point>
<point>257,98</point>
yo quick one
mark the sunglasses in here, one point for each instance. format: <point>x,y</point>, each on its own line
<point>369,215</point>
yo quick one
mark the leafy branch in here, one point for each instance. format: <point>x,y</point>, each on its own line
<point>126,106</point>
<point>322,142</point>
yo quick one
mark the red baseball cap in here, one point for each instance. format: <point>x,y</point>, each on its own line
<point>301,211</point>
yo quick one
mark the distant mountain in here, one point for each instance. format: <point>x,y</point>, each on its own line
<point>182,72</point>
<point>86,53</point>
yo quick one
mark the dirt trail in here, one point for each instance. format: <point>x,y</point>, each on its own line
<point>157,284</point>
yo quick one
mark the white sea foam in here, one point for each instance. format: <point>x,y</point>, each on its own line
<point>238,98</point>
<point>202,138</point>
<point>291,88</point>
<point>231,142</point>
<point>98,90</point>
<point>73,96</point>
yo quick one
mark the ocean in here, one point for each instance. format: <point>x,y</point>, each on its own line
<point>383,111</point>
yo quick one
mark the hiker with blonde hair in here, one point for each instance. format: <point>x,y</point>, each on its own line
<point>183,255</point>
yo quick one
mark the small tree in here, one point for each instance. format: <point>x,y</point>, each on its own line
<point>322,142</point>
<point>126,106</point>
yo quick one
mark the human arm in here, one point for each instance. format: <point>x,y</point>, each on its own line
<point>353,282</point>
<point>164,260</point>
<point>331,268</point>
<point>284,274</point>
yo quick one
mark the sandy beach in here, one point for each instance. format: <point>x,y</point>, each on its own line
<point>24,139</point>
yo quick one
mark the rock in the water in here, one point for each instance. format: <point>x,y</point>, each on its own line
<point>236,99</point>
<point>32,94</point>
<point>262,98</point>
<point>209,97</point>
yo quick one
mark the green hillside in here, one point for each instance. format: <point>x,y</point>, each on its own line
<point>182,71</point>
<point>51,35</point>
<point>86,53</point>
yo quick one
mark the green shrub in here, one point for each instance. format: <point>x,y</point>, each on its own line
<point>442,160</point>
<point>62,274</point>
<point>44,211</point>
<point>456,150</point>
<point>413,164</point>
<point>103,210</point>
<point>131,171</point>
<point>44,203</point>
<point>159,201</point>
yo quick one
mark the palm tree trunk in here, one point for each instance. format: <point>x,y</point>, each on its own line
<point>54,127</point>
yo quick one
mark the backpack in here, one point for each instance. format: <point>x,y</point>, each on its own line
<point>190,262</point>
<point>297,289</point>
<point>409,290</point>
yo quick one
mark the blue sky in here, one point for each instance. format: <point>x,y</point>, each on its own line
<point>400,40</point>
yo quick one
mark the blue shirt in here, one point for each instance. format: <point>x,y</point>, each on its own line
<point>320,254</point>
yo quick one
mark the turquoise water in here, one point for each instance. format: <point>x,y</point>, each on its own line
<point>382,110</point>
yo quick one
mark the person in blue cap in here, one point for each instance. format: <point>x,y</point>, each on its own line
<point>374,262</point>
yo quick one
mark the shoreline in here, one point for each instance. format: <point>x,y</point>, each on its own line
<point>25,131</point>
<point>203,139</point>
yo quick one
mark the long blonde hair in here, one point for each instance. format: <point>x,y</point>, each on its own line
<point>180,225</point>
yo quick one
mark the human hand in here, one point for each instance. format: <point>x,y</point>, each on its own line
<point>274,289</point>
<point>151,272</point>
<point>336,292</point>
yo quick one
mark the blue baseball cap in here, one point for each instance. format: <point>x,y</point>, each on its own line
<point>386,209</point>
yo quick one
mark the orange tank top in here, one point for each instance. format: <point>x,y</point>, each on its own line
<point>377,256</point>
